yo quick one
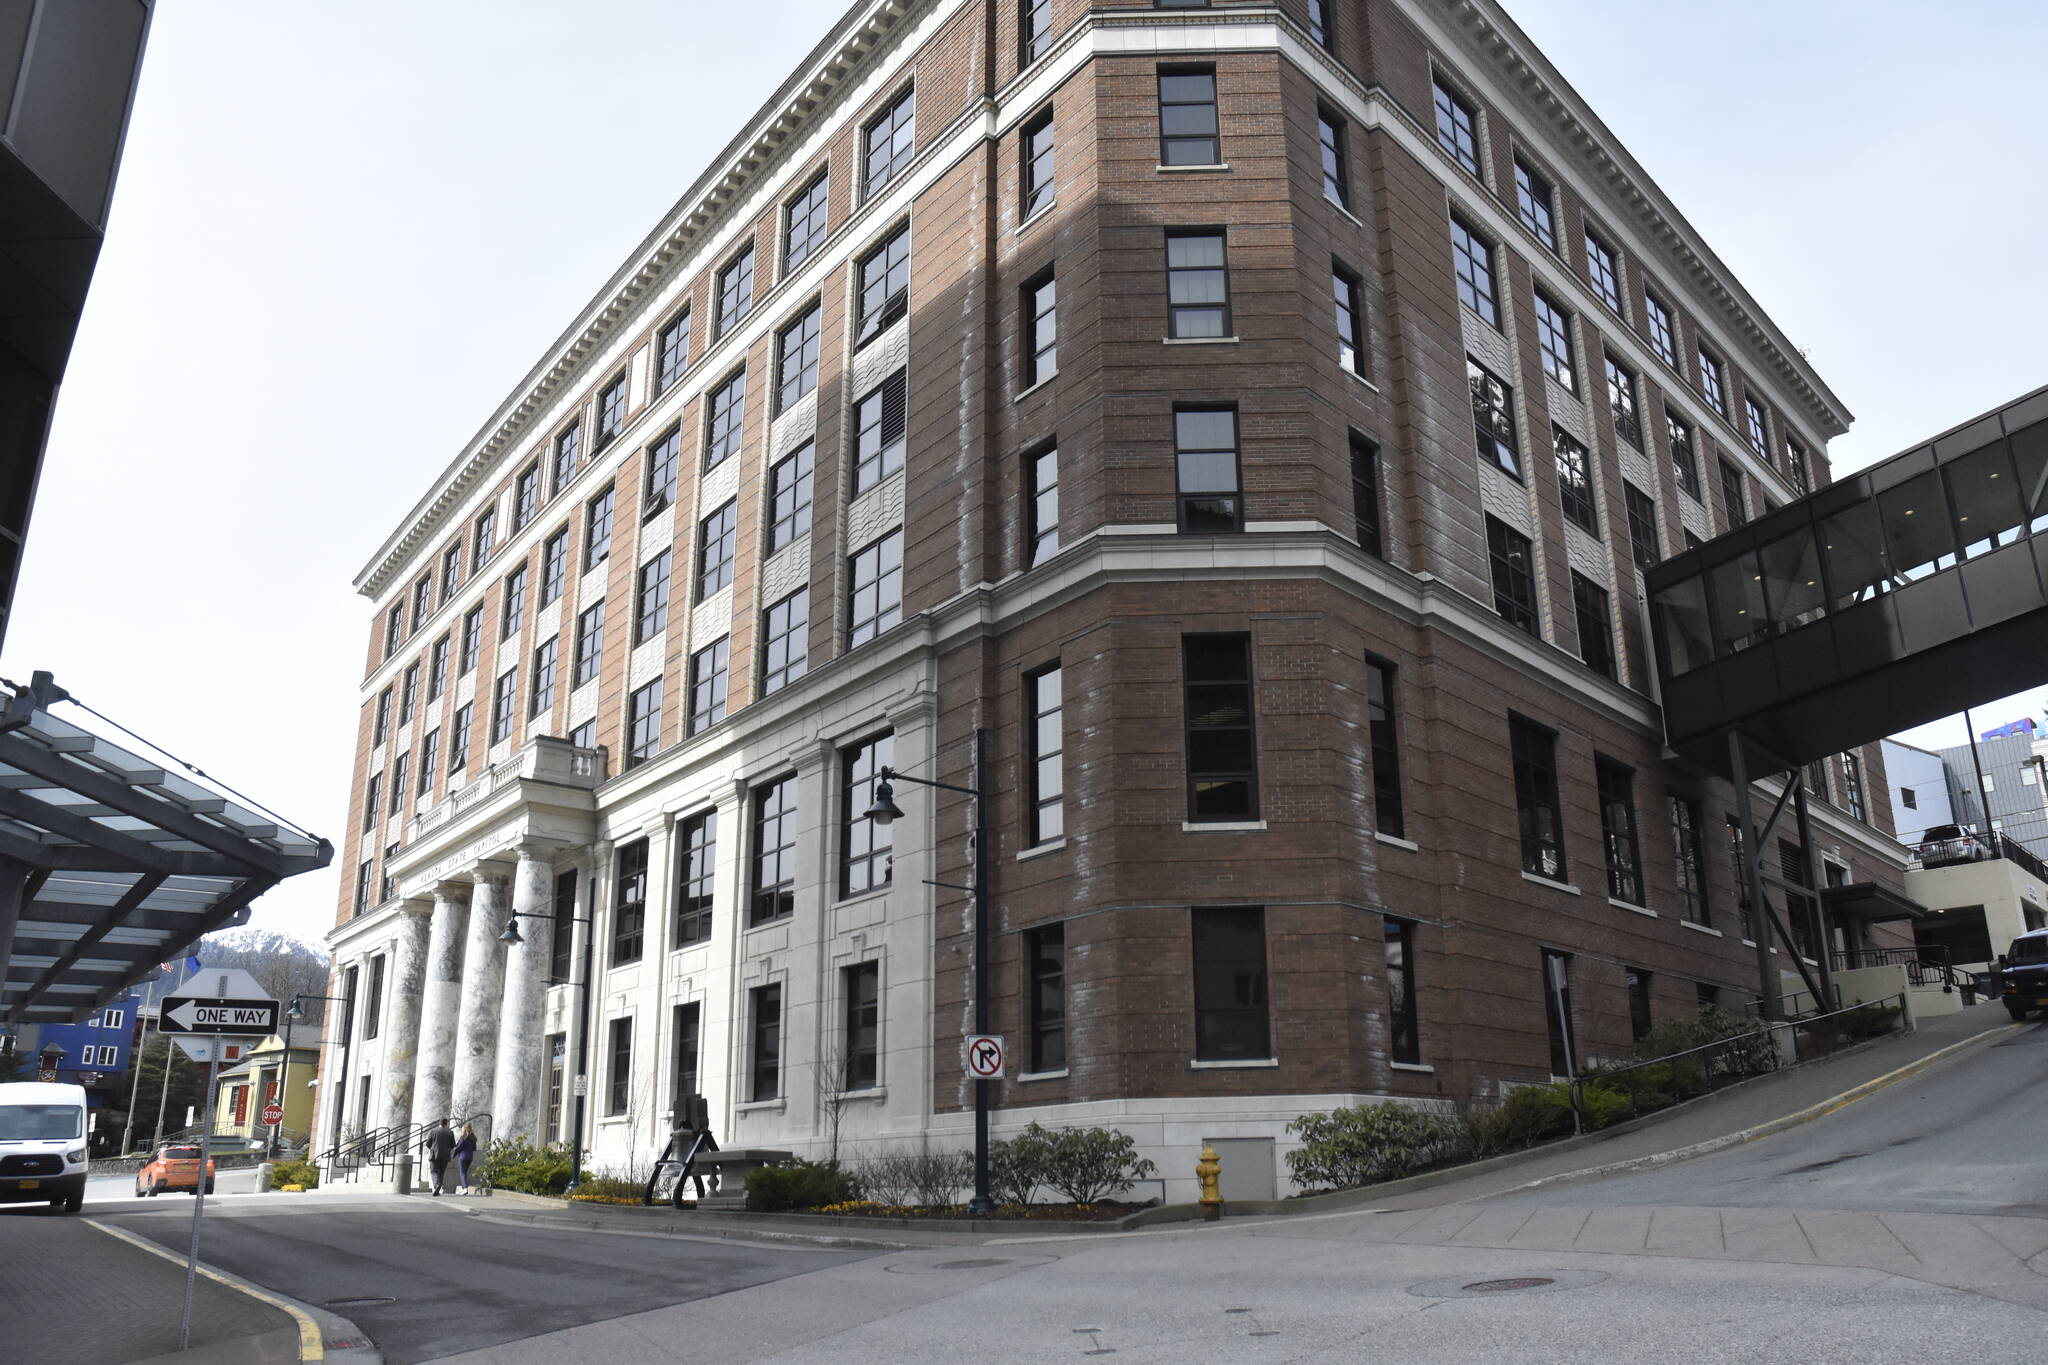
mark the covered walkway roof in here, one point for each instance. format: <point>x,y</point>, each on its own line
<point>110,863</point>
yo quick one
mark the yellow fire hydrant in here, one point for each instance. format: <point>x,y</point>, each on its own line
<point>1209,1171</point>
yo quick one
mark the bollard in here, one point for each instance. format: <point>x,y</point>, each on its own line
<point>405,1173</point>
<point>1209,1171</point>
<point>263,1174</point>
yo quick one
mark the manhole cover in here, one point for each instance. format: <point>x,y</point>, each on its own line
<point>975,1263</point>
<point>1508,1286</point>
<point>917,1265</point>
<point>360,1303</point>
<point>1458,1287</point>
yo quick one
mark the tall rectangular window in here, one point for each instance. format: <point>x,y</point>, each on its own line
<point>1621,403</point>
<point>1618,830</point>
<point>1319,26</point>
<point>1336,179</point>
<point>1603,272</point>
<point>1557,1013</point>
<point>1034,30</point>
<point>696,877</point>
<point>789,497</point>
<point>629,904</point>
<point>1457,127</point>
<point>797,358</point>
<point>876,591</point>
<point>401,767</point>
<point>568,450</point>
<point>611,413</point>
<point>717,544</point>
<point>1042,330</point>
<point>562,932</point>
<point>422,600</point>
<point>1387,813</point>
<point>1639,1021</point>
<point>1685,465</point>
<point>589,645</point>
<point>1472,262</point>
<point>1493,418</point>
<point>380,726</point>
<point>785,633</point>
<point>373,1003</point>
<point>860,1045</point>
<point>1534,750</point>
<point>472,639</point>
<point>1733,496</point>
<point>618,1095</point>
<point>485,542</point>
<point>394,629</point>
<point>373,804</point>
<point>884,287</point>
<point>409,694</point>
<point>458,737</point>
<point>775,834</point>
<point>1231,1021</point>
<point>686,1030</point>
<point>878,427</point>
<point>725,419</point>
<point>597,529</point>
<point>866,849</point>
<point>1554,342</point>
<point>672,351</point>
<point>764,1069</point>
<point>1514,576</point>
<point>1753,421</point>
<point>451,571</point>
<point>650,602</point>
<point>437,668</point>
<point>542,698</point>
<point>1692,860</point>
<point>1663,332</point>
<point>1206,471</point>
<point>1852,785</point>
<point>1036,154</point>
<point>1365,496</point>
<point>643,724</point>
<point>584,736</point>
<point>1796,466</point>
<point>664,459</point>
<point>1532,204</point>
<point>735,290</point>
<point>1042,506</point>
<point>1595,621</point>
<point>1404,1034</point>
<point>806,220</point>
<point>554,566</point>
<point>890,143</point>
<point>1575,481</point>
<point>1045,957</point>
<point>708,684</point>
<point>1197,285</point>
<point>526,496</point>
<point>1222,753</point>
<point>1711,383</point>
<point>504,705</point>
<point>1046,747</point>
<point>1187,116</point>
<point>1344,289</point>
<point>364,872</point>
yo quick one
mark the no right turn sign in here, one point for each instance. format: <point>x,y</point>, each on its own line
<point>985,1056</point>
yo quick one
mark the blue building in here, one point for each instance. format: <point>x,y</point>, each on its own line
<point>95,1054</point>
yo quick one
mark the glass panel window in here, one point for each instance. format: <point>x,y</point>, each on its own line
<point>554,566</point>
<point>1388,816</point>
<point>1532,204</point>
<point>1046,747</point>
<point>807,218</point>
<point>526,496</point>
<point>619,1059</point>
<point>1034,30</point>
<point>1222,752</point>
<point>504,705</point>
<point>1852,785</point>
<point>409,694</point>
<point>1336,180</point>
<point>686,1033</point>
<point>1639,1019</point>
<point>1231,1020</point>
<point>708,684</point>
<point>589,645</point>
<point>1685,463</point>
<point>1042,332</point>
<point>1042,533</point>
<point>1457,127</point>
<point>1618,830</point>
<point>717,545</point>
<point>786,629</point>
<point>643,724</point>
<point>775,835</point>
<point>373,1003</point>
<point>1344,287</point>
<point>735,290</point>
<point>672,351</point>
<point>422,601</point>
<point>458,737</point>
<point>1197,285</point>
<point>629,904</point>
<point>1733,499</point>
<point>1603,272</point>
<point>865,844</point>
<point>1753,421</point>
<point>1621,402</point>
<point>724,419</point>
<point>451,570</point>
<point>1187,116</point>
<point>1554,342</point>
<point>611,412</point>
<point>1595,623</point>
<point>1918,535</point>
<point>797,358</point>
<point>878,421</point>
<point>568,450</point>
<point>1986,499</point>
<point>394,629</point>
<point>1205,462</point>
<point>891,142</point>
<point>1802,474</point>
<point>584,736</point>
<point>861,1048</point>
<point>1472,261</point>
<point>1404,1041</point>
<point>486,541</point>
<point>884,286</point>
<point>664,457</point>
<point>373,804</point>
<point>1692,862</point>
<point>1663,332</point>
<point>1514,576</point>
<point>380,727</point>
<point>764,1008</point>
<point>1541,818</point>
<point>1045,957</point>
<point>1365,496</point>
<point>401,769</point>
<point>1711,383</point>
<point>437,668</point>
<point>1575,481</point>
<point>542,699</point>
<point>696,874</point>
<point>597,529</point>
<point>789,497</point>
<point>1643,546</point>
<point>1038,166</point>
<point>1493,418</point>
<point>472,638</point>
<point>877,589</point>
<point>1319,26</point>
<point>650,603</point>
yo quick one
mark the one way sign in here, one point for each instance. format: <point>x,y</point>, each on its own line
<point>223,1000</point>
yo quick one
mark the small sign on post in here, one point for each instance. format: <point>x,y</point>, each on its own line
<point>273,1114</point>
<point>985,1056</point>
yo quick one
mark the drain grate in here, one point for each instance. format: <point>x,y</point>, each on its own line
<point>362,1302</point>
<point>1508,1286</point>
<point>975,1263</point>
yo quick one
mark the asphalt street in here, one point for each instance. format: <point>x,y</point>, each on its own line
<point>101,1190</point>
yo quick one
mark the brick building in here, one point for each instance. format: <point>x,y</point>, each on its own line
<point>1255,417</point>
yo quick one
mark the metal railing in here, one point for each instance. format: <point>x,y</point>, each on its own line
<point>1925,966</point>
<point>351,1161</point>
<point>1977,848</point>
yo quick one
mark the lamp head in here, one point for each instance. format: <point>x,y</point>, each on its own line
<point>883,810</point>
<point>296,1011</point>
<point>512,934</point>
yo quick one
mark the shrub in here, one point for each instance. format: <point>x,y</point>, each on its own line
<point>1088,1164</point>
<point>914,1177</point>
<point>304,1173</point>
<point>516,1164</point>
<point>1370,1143</point>
<point>800,1185</point>
<point>607,1186</point>
<point>1018,1166</point>
<point>1870,1021</point>
<point>1528,1115</point>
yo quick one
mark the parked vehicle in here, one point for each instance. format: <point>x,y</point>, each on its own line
<point>2023,974</point>
<point>173,1167</point>
<point>1946,845</point>
<point>42,1144</point>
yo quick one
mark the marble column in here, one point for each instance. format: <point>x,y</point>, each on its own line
<point>435,1070</point>
<point>408,984</point>
<point>483,980</point>
<point>515,1092</point>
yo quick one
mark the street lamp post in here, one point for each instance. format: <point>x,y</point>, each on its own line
<point>884,811</point>
<point>582,1083</point>
<point>294,1012</point>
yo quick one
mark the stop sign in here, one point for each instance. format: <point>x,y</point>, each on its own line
<point>273,1113</point>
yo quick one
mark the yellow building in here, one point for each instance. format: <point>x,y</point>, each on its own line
<point>247,1086</point>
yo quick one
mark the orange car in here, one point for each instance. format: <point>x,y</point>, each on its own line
<point>173,1168</point>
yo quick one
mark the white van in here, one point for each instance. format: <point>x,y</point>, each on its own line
<point>42,1144</point>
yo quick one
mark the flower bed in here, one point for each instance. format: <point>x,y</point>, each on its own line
<point>1107,1211</point>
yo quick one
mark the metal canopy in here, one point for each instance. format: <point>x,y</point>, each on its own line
<point>111,864</point>
<point>1871,903</point>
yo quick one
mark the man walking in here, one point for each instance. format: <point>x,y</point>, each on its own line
<point>440,1147</point>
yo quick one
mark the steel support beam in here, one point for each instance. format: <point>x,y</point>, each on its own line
<point>1767,1006</point>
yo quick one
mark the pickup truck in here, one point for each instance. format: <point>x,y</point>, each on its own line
<point>2023,974</point>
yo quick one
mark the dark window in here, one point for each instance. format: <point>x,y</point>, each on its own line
<point>409,693</point>
<point>554,566</point>
<point>394,629</point>
<point>1514,576</point>
<point>1554,342</point>
<point>789,496</point>
<point>1187,116</point>
<point>708,684</point>
<point>1042,506</point>
<point>1344,290</point>
<point>650,607</point>
<point>1319,26</point>
<point>1222,753</point>
<point>388,885</point>
<point>1197,285</point>
<point>437,668</point>
<point>1472,261</point>
<point>472,639</point>
<point>562,936</point>
<point>1034,30</point>
<point>589,645</point>
<point>1753,415</point>
<point>1711,383</point>
<point>1532,204</point>
<point>725,419</point>
<point>1365,496</point>
<point>1041,339</point>
<point>884,286</point>
<point>807,219</point>
<point>1705,996</point>
<point>373,1003</point>
<point>1685,464</point>
<point>584,736</point>
<point>1404,1034</point>
<point>1036,153</point>
<point>686,1029</point>
<point>717,543</point>
<point>504,705</point>
<point>785,629</point>
<point>643,724</point>
<point>1618,830</point>
<point>451,571</point>
<point>401,767</point>
<point>611,413</point>
<point>735,290</point>
<point>1205,464</point>
<point>1663,335</point>
<point>764,1005</point>
<point>1795,465</point>
<point>878,422</point>
<point>891,141</point>
<point>1595,622</point>
<point>696,877</point>
<point>1045,957</point>
<point>619,1088</point>
<point>775,835</point>
<point>1387,814</point>
<point>1046,746</point>
<point>458,737</point>
<point>663,459</point>
<point>1493,418</point>
<point>1692,861</point>
<point>380,727</point>
<point>1621,402</point>
<point>542,699</point>
<point>1639,1021</point>
<point>422,600</point>
<point>672,347</point>
<point>629,904</point>
<point>373,805</point>
<point>568,449</point>
<point>1542,823</point>
<point>1336,182</point>
<point>1603,272</point>
<point>597,529</point>
<point>1643,545</point>
<point>1231,1022</point>
<point>1575,481</point>
<point>1457,128</point>
<point>1852,785</point>
<point>876,594</point>
<point>865,846</point>
<point>1732,495</point>
<point>1557,1012</point>
<point>862,1053</point>
<point>797,362</point>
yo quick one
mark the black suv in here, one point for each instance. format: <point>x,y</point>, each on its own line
<point>2023,974</point>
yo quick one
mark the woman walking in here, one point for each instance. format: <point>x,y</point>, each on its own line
<point>465,1153</point>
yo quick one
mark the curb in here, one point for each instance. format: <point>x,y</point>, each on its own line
<point>1772,1126</point>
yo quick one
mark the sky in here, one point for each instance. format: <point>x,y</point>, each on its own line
<point>344,231</point>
